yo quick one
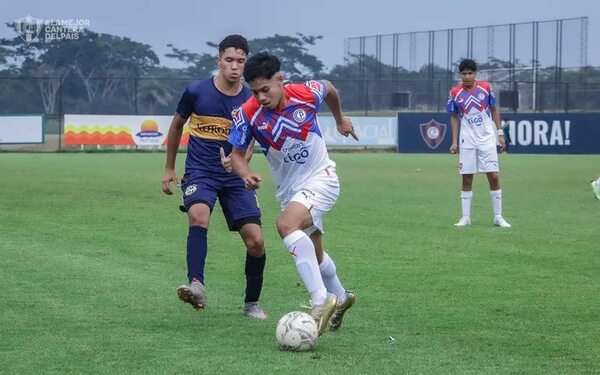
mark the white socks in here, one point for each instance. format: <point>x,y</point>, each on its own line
<point>465,199</point>
<point>496,196</point>
<point>598,182</point>
<point>330,278</point>
<point>303,251</point>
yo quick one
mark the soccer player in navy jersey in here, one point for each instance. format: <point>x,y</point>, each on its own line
<point>472,106</point>
<point>208,105</point>
<point>283,120</point>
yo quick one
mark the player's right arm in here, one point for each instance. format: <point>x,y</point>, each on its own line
<point>241,168</point>
<point>241,139</point>
<point>173,139</point>
<point>454,121</point>
<point>452,109</point>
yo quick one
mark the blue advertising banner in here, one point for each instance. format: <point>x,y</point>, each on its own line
<point>527,133</point>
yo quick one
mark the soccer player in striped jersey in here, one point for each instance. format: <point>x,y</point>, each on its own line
<point>283,120</point>
<point>208,104</point>
<point>472,107</point>
<point>596,187</point>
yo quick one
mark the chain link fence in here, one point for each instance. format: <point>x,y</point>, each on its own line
<point>369,97</point>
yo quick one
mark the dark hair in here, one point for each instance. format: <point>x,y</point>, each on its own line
<point>261,65</point>
<point>467,64</point>
<point>234,41</point>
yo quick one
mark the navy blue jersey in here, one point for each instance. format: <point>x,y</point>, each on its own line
<point>209,113</point>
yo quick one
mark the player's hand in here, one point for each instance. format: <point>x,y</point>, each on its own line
<point>453,148</point>
<point>226,160</point>
<point>169,178</point>
<point>252,181</point>
<point>502,142</point>
<point>346,128</point>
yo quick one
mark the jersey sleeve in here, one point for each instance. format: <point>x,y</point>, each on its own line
<point>492,97</point>
<point>241,129</point>
<point>318,89</point>
<point>186,104</point>
<point>451,105</point>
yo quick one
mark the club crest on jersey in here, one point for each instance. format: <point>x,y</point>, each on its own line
<point>190,190</point>
<point>433,133</point>
<point>299,115</point>
<point>480,96</point>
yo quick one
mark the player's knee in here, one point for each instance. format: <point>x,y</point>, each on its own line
<point>198,220</point>
<point>284,227</point>
<point>493,178</point>
<point>199,215</point>
<point>255,245</point>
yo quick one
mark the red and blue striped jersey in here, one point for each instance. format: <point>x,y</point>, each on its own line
<point>474,109</point>
<point>289,137</point>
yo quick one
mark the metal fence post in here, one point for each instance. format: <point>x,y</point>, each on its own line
<point>567,97</point>
<point>366,97</point>
<point>135,94</point>
<point>60,115</point>
<point>439,89</point>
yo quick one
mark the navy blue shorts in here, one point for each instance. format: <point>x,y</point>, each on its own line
<point>239,205</point>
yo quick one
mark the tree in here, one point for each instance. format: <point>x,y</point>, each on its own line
<point>42,60</point>
<point>103,60</point>
<point>199,65</point>
<point>296,63</point>
<point>100,61</point>
<point>158,92</point>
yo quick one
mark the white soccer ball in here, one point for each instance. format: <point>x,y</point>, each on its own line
<point>297,332</point>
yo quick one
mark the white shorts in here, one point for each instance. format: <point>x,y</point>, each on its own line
<point>482,160</point>
<point>318,194</point>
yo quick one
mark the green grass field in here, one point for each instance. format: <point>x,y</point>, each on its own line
<point>91,253</point>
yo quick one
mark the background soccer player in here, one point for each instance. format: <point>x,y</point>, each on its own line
<point>283,120</point>
<point>472,104</point>
<point>209,103</point>
<point>596,187</point>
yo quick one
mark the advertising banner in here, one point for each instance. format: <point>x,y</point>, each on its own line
<point>22,129</point>
<point>152,130</point>
<point>118,130</point>
<point>527,133</point>
<point>371,131</point>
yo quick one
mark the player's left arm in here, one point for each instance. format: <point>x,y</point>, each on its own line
<point>498,123</point>
<point>343,123</point>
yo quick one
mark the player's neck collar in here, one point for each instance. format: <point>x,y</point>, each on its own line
<point>225,87</point>
<point>470,88</point>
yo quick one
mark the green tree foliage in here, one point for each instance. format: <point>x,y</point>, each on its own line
<point>199,65</point>
<point>296,63</point>
<point>103,73</point>
<point>98,61</point>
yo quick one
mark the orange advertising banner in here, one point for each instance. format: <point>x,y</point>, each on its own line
<point>119,130</point>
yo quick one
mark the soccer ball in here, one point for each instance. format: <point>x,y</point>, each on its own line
<point>297,332</point>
